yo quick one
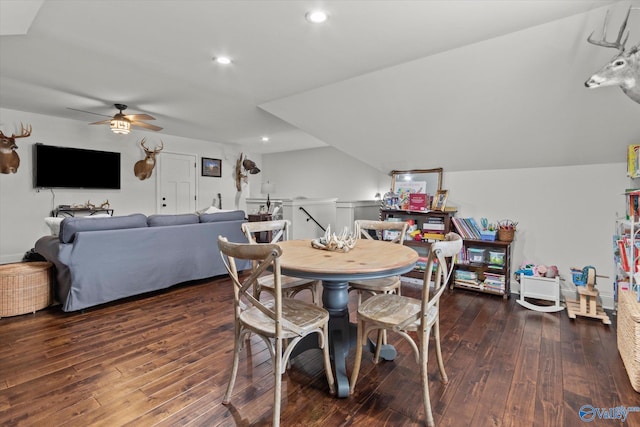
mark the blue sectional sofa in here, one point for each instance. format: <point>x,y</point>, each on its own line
<point>98,260</point>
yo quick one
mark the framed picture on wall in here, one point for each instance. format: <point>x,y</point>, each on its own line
<point>211,167</point>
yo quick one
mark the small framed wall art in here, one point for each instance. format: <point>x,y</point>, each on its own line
<point>211,167</point>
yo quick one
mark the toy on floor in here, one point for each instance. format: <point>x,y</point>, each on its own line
<point>588,306</point>
<point>539,282</point>
<point>539,270</point>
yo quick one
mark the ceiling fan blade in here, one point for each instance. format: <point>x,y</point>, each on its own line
<point>133,117</point>
<point>89,112</point>
<point>146,126</point>
<point>104,122</point>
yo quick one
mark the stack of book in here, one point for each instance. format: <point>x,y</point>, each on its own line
<point>421,264</point>
<point>433,229</point>
<point>494,282</point>
<point>633,205</point>
<point>467,278</point>
<point>467,228</point>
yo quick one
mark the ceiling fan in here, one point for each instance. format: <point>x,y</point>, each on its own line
<point>121,123</point>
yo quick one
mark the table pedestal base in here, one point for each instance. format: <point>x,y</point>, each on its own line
<point>342,335</point>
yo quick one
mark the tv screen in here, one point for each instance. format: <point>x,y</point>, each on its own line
<point>64,167</point>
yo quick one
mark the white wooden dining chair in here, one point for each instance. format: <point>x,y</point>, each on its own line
<point>279,230</point>
<point>402,314</point>
<point>281,322</point>
<point>376,230</point>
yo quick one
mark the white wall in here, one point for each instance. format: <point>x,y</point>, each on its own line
<point>23,208</point>
<point>319,172</point>
<point>566,215</point>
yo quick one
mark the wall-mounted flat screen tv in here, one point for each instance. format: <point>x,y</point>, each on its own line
<point>65,167</point>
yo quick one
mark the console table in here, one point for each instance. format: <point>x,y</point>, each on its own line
<point>72,211</point>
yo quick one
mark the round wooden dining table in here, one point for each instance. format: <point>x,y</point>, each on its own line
<point>369,259</point>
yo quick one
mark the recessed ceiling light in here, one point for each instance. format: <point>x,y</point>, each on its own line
<point>316,16</point>
<point>224,60</point>
<point>265,139</point>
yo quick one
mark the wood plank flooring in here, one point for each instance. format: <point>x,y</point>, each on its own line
<point>164,359</point>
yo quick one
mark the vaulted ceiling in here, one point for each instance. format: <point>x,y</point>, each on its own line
<point>468,84</point>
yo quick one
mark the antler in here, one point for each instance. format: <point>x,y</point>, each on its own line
<point>24,132</point>
<point>159,149</point>
<point>616,44</point>
<point>142,144</point>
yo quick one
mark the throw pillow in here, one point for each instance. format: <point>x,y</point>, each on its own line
<point>53,223</point>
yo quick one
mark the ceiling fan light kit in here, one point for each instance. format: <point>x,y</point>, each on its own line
<point>121,123</point>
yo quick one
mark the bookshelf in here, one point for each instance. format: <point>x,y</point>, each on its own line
<point>626,257</point>
<point>484,266</point>
<point>434,223</point>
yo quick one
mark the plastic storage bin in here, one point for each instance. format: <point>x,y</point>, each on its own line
<point>476,255</point>
<point>488,235</point>
<point>496,258</point>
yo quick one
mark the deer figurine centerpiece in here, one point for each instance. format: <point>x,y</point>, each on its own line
<point>624,69</point>
<point>9,158</point>
<point>143,168</point>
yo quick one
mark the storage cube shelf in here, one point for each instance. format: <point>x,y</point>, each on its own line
<point>484,266</point>
<point>432,224</point>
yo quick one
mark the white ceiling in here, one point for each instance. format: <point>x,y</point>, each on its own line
<point>469,84</point>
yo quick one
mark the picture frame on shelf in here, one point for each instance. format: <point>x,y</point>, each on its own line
<point>211,167</point>
<point>440,200</point>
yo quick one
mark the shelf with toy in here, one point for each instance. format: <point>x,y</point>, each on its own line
<point>626,251</point>
<point>483,266</point>
<point>425,228</point>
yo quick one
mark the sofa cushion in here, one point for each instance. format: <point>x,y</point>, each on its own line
<point>181,219</point>
<point>222,216</point>
<point>70,226</point>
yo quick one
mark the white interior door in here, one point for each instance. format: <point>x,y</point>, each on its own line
<point>177,192</point>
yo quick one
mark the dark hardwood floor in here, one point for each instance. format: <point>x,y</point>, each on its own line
<point>164,359</point>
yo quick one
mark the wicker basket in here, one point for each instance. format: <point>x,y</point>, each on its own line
<point>629,335</point>
<point>24,287</point>
<point>505,235</point>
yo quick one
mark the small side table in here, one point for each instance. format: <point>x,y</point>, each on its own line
<point>25,287</point>
<point>541,288</point>
<point>262,237</point>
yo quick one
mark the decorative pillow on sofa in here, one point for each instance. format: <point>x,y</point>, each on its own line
<point>181,219</point>
<point>222,216</point>
<point>53,222</point>
<point>70,226</point>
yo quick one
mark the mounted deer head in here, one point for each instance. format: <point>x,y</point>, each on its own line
<point>624,69</point>
<point>9,159</point>
<point>143,168</point>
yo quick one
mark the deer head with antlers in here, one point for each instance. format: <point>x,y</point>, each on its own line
<point>9,159</point>
<point>143,168</point>
<point>624,69</point>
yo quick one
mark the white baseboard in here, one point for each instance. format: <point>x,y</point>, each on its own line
<point>11,258</point>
